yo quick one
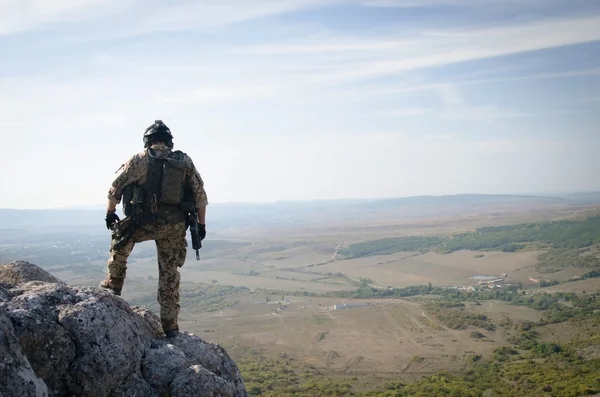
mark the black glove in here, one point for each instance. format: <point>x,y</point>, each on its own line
<point>111,219</point>
<point>202,231</point>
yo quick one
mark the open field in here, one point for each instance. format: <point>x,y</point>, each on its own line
<point>349,341</point>
<point>456,268</point>
<point>497,311</point>
<point>266,282</point>
<point>393,336</point>
<point>299,257</point>
<point>286,274</point>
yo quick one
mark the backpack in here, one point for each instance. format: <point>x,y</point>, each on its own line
<point>162,194</point>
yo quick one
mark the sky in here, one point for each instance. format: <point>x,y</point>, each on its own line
<point>302,99</point>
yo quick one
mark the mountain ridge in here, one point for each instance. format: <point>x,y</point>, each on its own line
<point>575,196</point>
<point>224,215</point>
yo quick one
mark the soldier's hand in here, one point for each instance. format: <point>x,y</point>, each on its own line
<point>111,219</point>
<point>202,231</point>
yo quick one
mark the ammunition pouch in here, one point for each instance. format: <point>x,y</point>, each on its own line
<point>133,201</point>
<point>188,207</point>
<point>122,232</point>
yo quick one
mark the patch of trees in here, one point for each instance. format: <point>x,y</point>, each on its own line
<point>557,259</point>
<point>556,307</point>
<point>477,335</point>
<point>284,377</point>
<point>592,274</point>
<point>457,317</point>
<point>366,291</point>
<point>561,235</point>
<point>388,246</point>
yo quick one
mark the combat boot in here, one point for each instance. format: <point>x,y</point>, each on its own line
<point>171,328</point>
<point>113,284</point>
<point>172,333</point>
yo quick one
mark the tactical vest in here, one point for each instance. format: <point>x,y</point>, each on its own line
<point>160,198</point>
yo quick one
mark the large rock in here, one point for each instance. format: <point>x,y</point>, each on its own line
<point>16,375</point>
<point>21,271</point>
<point>61,341</point>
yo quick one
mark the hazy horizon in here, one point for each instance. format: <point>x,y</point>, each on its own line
<point>302,100</point>
<point>542,195</point>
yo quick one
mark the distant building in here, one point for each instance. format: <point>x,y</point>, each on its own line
<point>340,306</point>
<point>490,282</point>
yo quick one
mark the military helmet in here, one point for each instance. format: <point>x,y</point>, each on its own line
<point>158,132</point>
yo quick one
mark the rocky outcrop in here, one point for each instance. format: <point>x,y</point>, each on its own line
<point>20,272</point>
<point>57,340</point>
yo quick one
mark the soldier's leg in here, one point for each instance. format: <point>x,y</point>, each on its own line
<point>117,267</point>
<point>117,261</point>
<point>171,248</point>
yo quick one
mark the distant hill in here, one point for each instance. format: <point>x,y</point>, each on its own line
<point>583,197</point>
<point>300,212</point>
<point>461,200</point>
<point>11,218</point>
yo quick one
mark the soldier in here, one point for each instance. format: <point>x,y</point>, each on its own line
<point>159,187</point>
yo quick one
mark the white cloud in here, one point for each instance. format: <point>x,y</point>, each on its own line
<point>458,3</point>
<point>340,45</point>
<point>513,146</point>
<point>440,136</point>
<point>214,95</point>
<point>450,95</point>
<point>429,49</point>
<point>404,112</point>
<point>408,87</point>
<point>128,17</point>
<point>213,13</point>
<point>457,108</point>
<point>481,113</point>
<point>419,3</point>
<point>21,15</point>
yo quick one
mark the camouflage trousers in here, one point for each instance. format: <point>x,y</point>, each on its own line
<point>171,247</point>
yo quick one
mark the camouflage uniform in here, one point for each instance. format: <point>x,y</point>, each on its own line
<point>168,232</point>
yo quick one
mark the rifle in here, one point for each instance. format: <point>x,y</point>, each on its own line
<point>192,221</point>
<point>188,206</point>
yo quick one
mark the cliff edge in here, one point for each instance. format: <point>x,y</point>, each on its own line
<point>57,340</point>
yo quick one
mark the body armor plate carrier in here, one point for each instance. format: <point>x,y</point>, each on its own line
<point>160,198</point>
